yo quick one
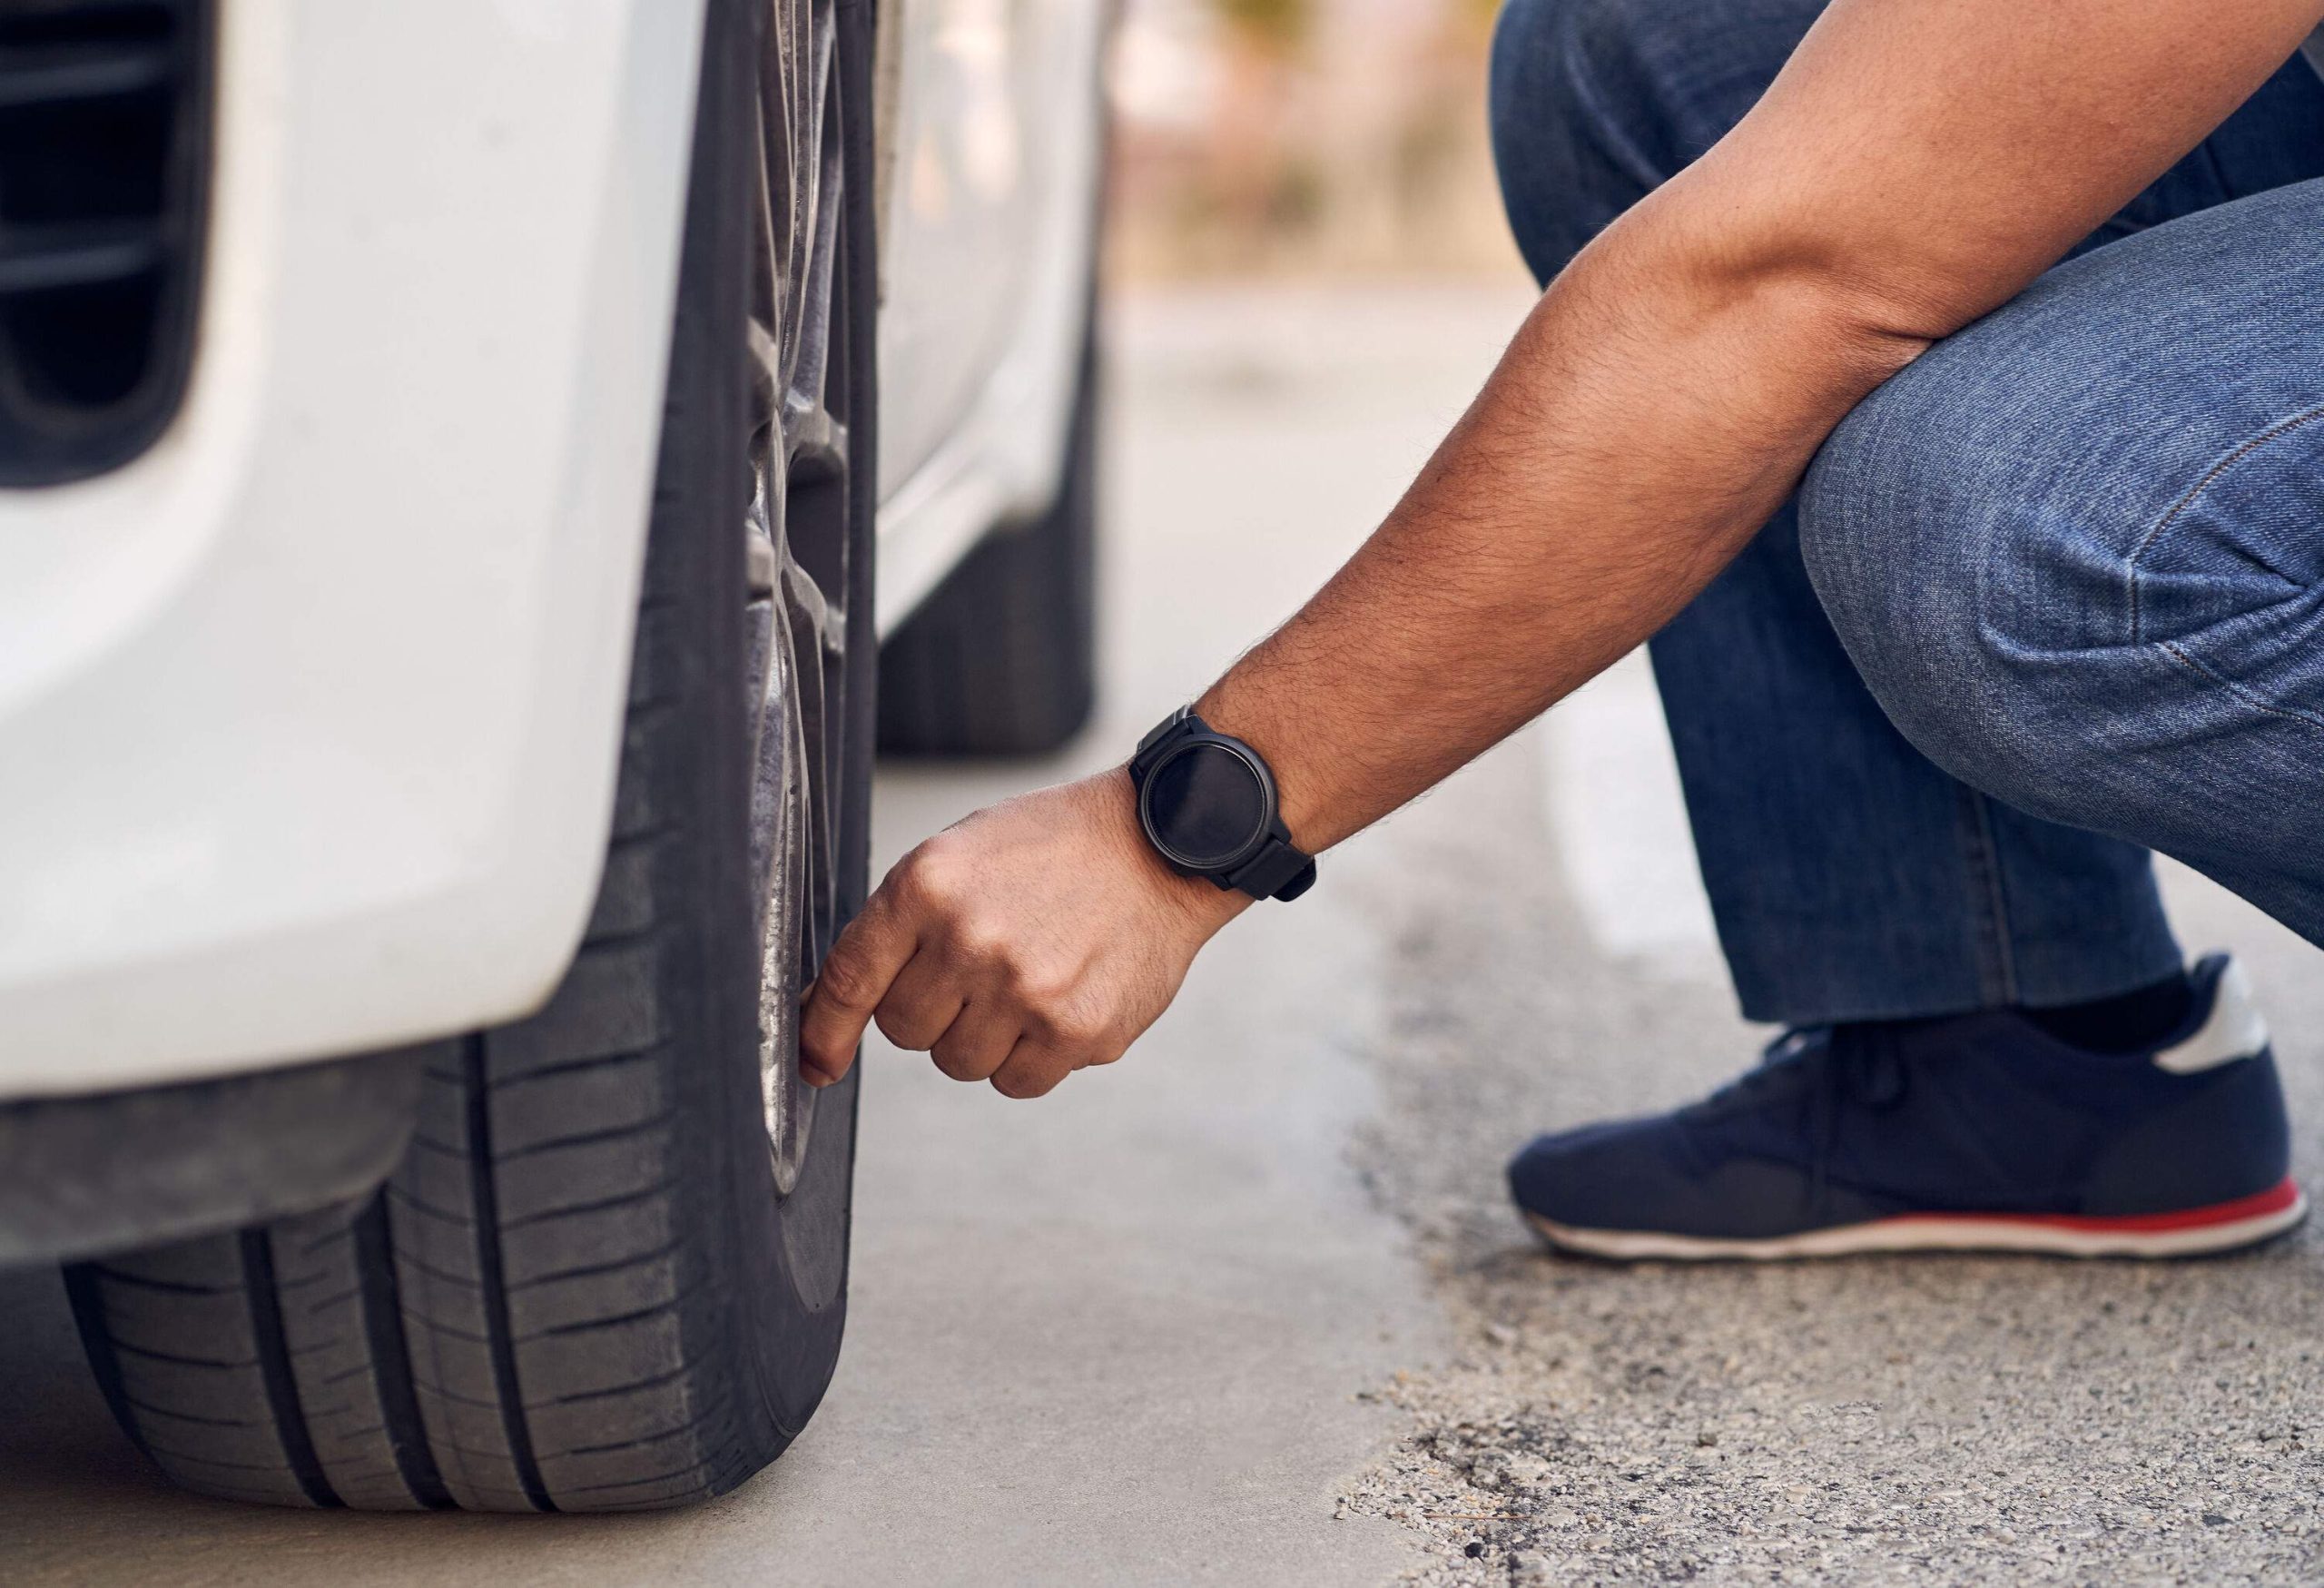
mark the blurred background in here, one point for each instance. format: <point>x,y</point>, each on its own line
<point>1288,137</point>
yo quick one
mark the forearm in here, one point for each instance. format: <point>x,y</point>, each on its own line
<point>1915,164</point>
<point>1655,409</point>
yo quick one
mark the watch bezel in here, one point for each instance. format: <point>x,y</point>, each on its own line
<point>1261,831</point>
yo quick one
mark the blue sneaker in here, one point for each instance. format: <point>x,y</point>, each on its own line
<point>1976,1132</point>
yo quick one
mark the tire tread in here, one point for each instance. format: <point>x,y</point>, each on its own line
<point>536,1312</point>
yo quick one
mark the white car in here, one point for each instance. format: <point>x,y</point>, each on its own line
<point>438,511</point>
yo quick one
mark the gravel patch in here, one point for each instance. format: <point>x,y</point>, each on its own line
<point>1954,1420</point>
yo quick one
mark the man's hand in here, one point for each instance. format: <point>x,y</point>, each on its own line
<point>1917,163</point>
<point>1034,938</point>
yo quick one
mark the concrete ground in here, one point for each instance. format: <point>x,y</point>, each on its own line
<point>1249,1306</point>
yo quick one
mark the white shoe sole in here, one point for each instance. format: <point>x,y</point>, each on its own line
<point>2221,1227</point>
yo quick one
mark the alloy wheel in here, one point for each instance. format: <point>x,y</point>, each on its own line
<point>797,535</point>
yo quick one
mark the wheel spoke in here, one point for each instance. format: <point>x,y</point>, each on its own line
<point>764,368</point>
<point>807,419</point>
<point>805,617</point>
<point>796,533</point>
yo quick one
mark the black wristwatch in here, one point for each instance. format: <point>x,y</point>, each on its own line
<point>1207,804</point>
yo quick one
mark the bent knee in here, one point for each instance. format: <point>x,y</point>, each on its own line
<point>1949,563</point>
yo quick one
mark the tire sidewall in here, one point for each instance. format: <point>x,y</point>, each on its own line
<point>785,1348</point>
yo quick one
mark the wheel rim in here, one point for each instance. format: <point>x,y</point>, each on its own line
<point>797,533</point>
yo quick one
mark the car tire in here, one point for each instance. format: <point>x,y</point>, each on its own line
<point>1001,659</point>
<point>603,1277</point>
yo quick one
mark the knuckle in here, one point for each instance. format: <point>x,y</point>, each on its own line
<point>930,873</point>
<point>956,1064</point>
<point>843,980</point>
<point>1043,984</point>
<point>976,939</point>
<point>1026,1085</point>
<point>901,1027</point>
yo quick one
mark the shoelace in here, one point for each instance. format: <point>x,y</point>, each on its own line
<point>1831,1066</point>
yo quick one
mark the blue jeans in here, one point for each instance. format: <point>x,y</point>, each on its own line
<point>2050,599</point>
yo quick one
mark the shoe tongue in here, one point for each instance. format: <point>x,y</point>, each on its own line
<point>2137,1021</point>
<point>2203,1000</point>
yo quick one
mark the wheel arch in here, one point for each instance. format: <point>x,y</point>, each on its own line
<point>378,579</point>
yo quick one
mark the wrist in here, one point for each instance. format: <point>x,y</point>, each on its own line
<point>1297,804</point>
<point>1202,903</point>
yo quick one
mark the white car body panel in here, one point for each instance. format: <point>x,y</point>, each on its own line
<point>310,716</point>
<point>990,231</point>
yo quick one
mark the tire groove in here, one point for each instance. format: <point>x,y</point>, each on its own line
<point>502,1344</point>
<point>325,1305</point>
<point>590,1326</point>
<point>176,1361</point>
<point>628,1198</point>
<point>390,1359</point>
<point>594,1270</point>
<point>590,1137</point>
<point>429,1387</point>
<point>441,1216</point>
<point>651,1382</point>
<point>86,1291</point>
<point>150,1409</point>
<point>695,1422</point>
<point>167,1286</point>
<point>577,1066</point>
<point>465,1336</point>
<point>695,1470</point>
<point>440,1276</point>
<point>272,1469</point>
<point>275,1374</point>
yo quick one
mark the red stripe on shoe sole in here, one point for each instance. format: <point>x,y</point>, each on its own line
<point>2219,1226</point>
<point>2275,1199</point>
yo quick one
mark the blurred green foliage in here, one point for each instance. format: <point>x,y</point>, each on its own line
<point>1279,25</point>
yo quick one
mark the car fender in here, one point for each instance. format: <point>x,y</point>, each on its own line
<point>309,715</point>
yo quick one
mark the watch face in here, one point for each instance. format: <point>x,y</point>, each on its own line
<point>1205,806</point>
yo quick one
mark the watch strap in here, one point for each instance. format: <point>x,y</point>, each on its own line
<point>1171,728</point>
<point>1279,871</point>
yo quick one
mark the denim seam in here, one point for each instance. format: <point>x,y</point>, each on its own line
<point>2172,649</point>
<point>2281,428</point>
<point>2219,175</point>
<point>1979,854</point>
<point>1612,143</point>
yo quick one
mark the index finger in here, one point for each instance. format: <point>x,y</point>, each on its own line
<point>878,944</point>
